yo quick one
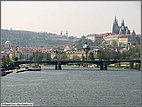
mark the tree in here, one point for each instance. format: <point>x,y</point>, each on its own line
<point>107,54</point>
<point>100,55</point>
<point>31,58</point>
<point>135,53</point>
<point>79,44</point>
<point>114,43</point>
<point>6,60</point>
<point>39,58</point>
<point>48,57</point>
<point>91,56</point>
<point>55,58</point>
<point>63,57</point>
<point>75,57</point>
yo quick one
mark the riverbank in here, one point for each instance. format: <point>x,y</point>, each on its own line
<point>123,67</point>
<point>16,70</point>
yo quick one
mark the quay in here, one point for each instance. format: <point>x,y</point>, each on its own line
<point>16,70</point>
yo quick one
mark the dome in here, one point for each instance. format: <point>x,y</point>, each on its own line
<point>55,51</point>
<point>8,42</point>
<point>86,46</point>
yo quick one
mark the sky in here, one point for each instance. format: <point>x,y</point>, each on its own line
<point>77,17</point>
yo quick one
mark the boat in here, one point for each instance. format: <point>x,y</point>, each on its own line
<point>91,66</point>
<point>34,68</point>
<point>3,72</point>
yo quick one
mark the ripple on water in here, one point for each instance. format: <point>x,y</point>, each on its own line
<point>73,87</point>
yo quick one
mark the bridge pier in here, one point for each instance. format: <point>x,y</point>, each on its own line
<point>103,67</point>
<point>58,67</point>
<point>131,65</point>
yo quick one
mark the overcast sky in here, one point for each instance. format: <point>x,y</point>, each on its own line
<point>78,17</point>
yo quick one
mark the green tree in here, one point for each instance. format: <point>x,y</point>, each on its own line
<point>135,53</point>
<point>91,56</point>
<point>63,57</point>
<point>100,55</point>
<point>39,58</point>
<point>48,57</point>
<point>31,58</point>
<point>55,58</point>
<point>6,60</point>
<point>114,43</point>
<point>75,57</point>
<point>107,54</point>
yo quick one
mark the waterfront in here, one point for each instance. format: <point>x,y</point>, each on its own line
<point>72,87</point>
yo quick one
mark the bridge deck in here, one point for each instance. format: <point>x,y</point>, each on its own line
<point>62,62</point>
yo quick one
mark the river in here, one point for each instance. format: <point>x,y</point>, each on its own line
<point>73,87</point>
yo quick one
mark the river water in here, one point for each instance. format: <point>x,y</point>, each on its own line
<point>73,87</point>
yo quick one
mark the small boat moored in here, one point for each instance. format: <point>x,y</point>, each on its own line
<point>34,68</point>
<point>3,72</point>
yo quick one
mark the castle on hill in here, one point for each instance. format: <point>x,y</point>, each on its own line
<point>120,29</point>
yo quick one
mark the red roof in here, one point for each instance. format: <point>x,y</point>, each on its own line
<point>48,51</point>
<point>126,35</point>
<point>2,52</point>
<point>100,35</point>
<point>120,35</point>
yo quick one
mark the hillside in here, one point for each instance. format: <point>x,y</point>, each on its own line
<point>29,38</point>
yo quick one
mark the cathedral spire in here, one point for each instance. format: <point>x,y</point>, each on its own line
<point>115,19</point>
<point>61,33</point>
<point>66,33</point>
<point>122,24</point>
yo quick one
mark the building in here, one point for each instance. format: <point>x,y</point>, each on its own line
<point>96,38</point>
<point>68,48</point>
<point>135,39</point>
<point>109,39</point>
<point>120,39</point>
<point>120,29</point>
<point>8,44</point>
<point>91,37</point>
<point>124,40</point>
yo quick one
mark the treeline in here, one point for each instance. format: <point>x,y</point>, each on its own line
<point>30,39</point>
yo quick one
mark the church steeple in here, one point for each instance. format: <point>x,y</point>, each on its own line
<point>115,28</point>
<point>120,29</point>
<point>115,19</point>
<point>122,23</point>
<point>115,22</point>
<point>66,33</point>
<point>61,33</point>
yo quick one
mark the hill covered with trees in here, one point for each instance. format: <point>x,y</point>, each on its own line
<point>29,38</point>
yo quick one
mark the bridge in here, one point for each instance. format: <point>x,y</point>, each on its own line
<point>102,63</point>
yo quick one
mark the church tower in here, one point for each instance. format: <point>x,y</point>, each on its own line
<point>120,29</point>
<point>115,28</point>
<point>122,23</point>
<point>124,29</point>
<point>61,33</point>
<point>66,33</point>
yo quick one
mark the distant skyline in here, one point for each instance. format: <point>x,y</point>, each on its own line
<point>77,17</point>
